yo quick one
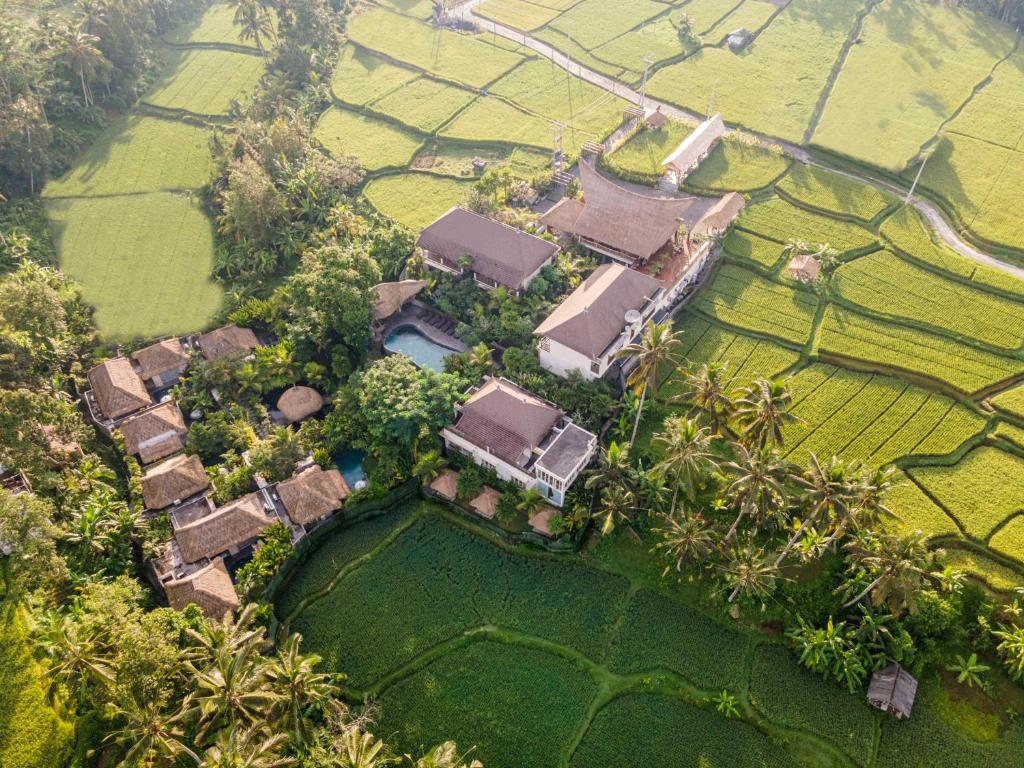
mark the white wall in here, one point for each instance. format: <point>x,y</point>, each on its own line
<point>505,471</point>
<point>562,361</point>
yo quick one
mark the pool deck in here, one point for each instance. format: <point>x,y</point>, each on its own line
<point>417,315</point>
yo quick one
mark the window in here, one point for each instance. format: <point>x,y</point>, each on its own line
<point>595,367</point>
<point>545,344</point>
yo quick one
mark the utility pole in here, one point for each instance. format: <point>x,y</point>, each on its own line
<point>648,60</point>
<point>926,153</point>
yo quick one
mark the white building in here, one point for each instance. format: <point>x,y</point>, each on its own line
<point>525,440</point>
<point>461,241</point>
<point>605,313</point>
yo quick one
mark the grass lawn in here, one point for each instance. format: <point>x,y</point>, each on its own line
<point>142,260</point>
<point>415,199</point>
<point>205,82</point>
<point>830,191</point>
<point>966,368</point>
<point>452,55</point>
<point>981,491</point>
<point>361,77</point>
<point>915,66</point>
<point>139,154</point>
<point>773,86</point>
<point>32,735</point>
<point>377,143</point>
<point>737,165</point>
<point>423,104</point>
<point>518,14</point>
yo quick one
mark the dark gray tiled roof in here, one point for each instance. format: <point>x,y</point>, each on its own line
<point>566,451</point>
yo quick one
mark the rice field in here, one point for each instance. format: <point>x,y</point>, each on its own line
<point>737,165</point>
<point>518,14</point>
<point>930,58</point>
<point>377,143</point>
<point>916,512</point>
<point>994,573</point>
<point>773,86</point>
<point>1009,540</point>
<point>750,14</point>
<point>215,27</point>
<point>143,261</point>
<point>759,252</point>
<point>658,39</point>
<point>779,220</point>
<point>1011,401</point>
<point>592,23</point>
<point>444,53</point>
<point>415,199</point>
<point>423,104</point>
<point>205,82</point>
<point>901,349</point>
<point>639,159</point>
<point>981,491</point>
<point>361,77</point>
<point>832,192</point>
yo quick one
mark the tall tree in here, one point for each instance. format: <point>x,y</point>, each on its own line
<point>706,394</point>
<point>759,486</point>
<point>762,410</point>
<point>685,456</point>
<point>658,348</point>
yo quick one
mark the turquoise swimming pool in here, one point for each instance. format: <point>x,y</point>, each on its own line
<point>350,464</point>
<point>425,353</point>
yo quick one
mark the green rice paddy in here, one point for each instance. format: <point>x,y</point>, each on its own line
<point>377,143</point>
<point>415,199</point>
<point>205,82</point>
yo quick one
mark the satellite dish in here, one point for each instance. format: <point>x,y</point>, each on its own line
<point>632,317</point>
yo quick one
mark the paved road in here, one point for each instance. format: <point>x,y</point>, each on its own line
<point>930,212</point>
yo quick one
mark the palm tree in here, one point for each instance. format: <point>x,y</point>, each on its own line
<point>685,456</point>
<point>571,267</point>
<point>530,502</point>
<point>291,676</point>
<point>233,691</point>
<point>657,348</point>
<point>759,487</point>
<point>1011,649</point>
<point>617,504</point>
<point>761,410</point>
<point>480,357</point>
<point>830,495</point>
<point>750,571</point>
<point>690,540</point>
<point>706,393</point>
<point>969,670</point>
<point>151,737</point>
<point>237,748</point>
<point>613,468</point>
<point>74,662</point>
<point>359,749</point>
<point>899,567</point>
<point>429,466</point>
<point>83,58</point>
<point>446,755</point>
<point>254,23</point>
<point>231,634</point>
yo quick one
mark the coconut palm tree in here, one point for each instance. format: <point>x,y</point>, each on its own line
<point>248,748</point>
<point>291,676</point>
<point>618,504</point>
<point>150,736</point>
<point>360,749</point>
<point>233,691</point>
<point>898,568</point>
<point>74,662</point>
<point>762,409</point>
<point>687,540</point>
<point>82,57</point>
<point>429,466</point>
<point>231,634</point>
<point>750,571</point>
<point>830,495</point>
<point>706,393</point>
<point>658,348</point>
<point>530,502</point>
<point>480,356</point>
<point>759,487</point>
<point>254,23</point>
<point>571,267</point>
<point>613,468</point>
<point>684,447</point>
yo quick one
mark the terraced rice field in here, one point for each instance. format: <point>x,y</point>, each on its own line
<point>361,76</point>
<point>205,82</point>
<point>415,199</point>
<point>753,250</point>
<point>215,27</point>
<point>832,192</point>
<point>779,220</point>
<point>377,143</point>
<point>1011,401</point>
<point>423,104</point>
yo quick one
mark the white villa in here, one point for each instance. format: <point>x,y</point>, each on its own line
<point>605,313</point>
<point>525,440</point>
<point>694,148</point>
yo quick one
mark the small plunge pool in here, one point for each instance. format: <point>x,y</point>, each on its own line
<point>350,464</point>
<point>423,351</point>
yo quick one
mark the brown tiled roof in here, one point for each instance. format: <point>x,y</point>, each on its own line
<point>499,252</point>
<point>210,588</point>
<point>155,433</point>
<point>312,494</point>
<point>446,484</point>
<point>229,526</point>
<point>173,480</point>
<point>593,315</point>
<point>391,297</point>
<point>164,356</point>
<point>229,340</point>
<point>635,224</point>
<point>506,420</point>
<point>657,119</point>
<point>118,389</point>
<point>296,403</point>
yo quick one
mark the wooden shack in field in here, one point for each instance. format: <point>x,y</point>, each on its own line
<point>893,690</point>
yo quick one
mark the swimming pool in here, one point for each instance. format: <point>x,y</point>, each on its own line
<point>350,464</point>
<point>424,352</point>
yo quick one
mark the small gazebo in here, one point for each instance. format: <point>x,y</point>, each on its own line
<point>298,403</point>
<point>893,690</point>
<point>486,502</point>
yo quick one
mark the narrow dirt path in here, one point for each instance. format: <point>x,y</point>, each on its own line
<point>942,227</point>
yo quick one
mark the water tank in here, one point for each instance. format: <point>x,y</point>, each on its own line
<point>632,317</point>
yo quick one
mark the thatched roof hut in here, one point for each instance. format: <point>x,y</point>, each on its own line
<point>227,341</point>
<point>226,529</point>
<point>486,502</point>
<point>541,521</point>
<point>695,147</point>
<point>312,494</point>
<point>893,690</point>
<point>117,388</point>
<point>298,403</point>
<point>446,484</point>
<point>167,356</point>
<point>804,267</point>
<point>210,588</point>
<point>154,434</point>
<point>176,479</point>
<point>391,297</point>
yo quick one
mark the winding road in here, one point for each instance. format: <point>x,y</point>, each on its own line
<point>942,227</point>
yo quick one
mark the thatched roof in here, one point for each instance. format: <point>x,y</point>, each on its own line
<point>804,267</point>
<point>486,502</point>
<point>893,690</point>
<point>312,494</point>
<point>720,215</point>
<point>656,119</point>
<point>226,341</point>
<point>446,484</point>
<point>541,521</point>
<point>593,315</point>
<point>155,433</point>
<point>506,420</point>
<point>210,588</point>
<point>391,297</point>
<point>176,479</point>
<point>224,529</point>
<point>625,221</point>
<point>164,356</point>
<point>117,388</point>
<point>498,252</point>
<point>298,403</point>
<point>695,146</point>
